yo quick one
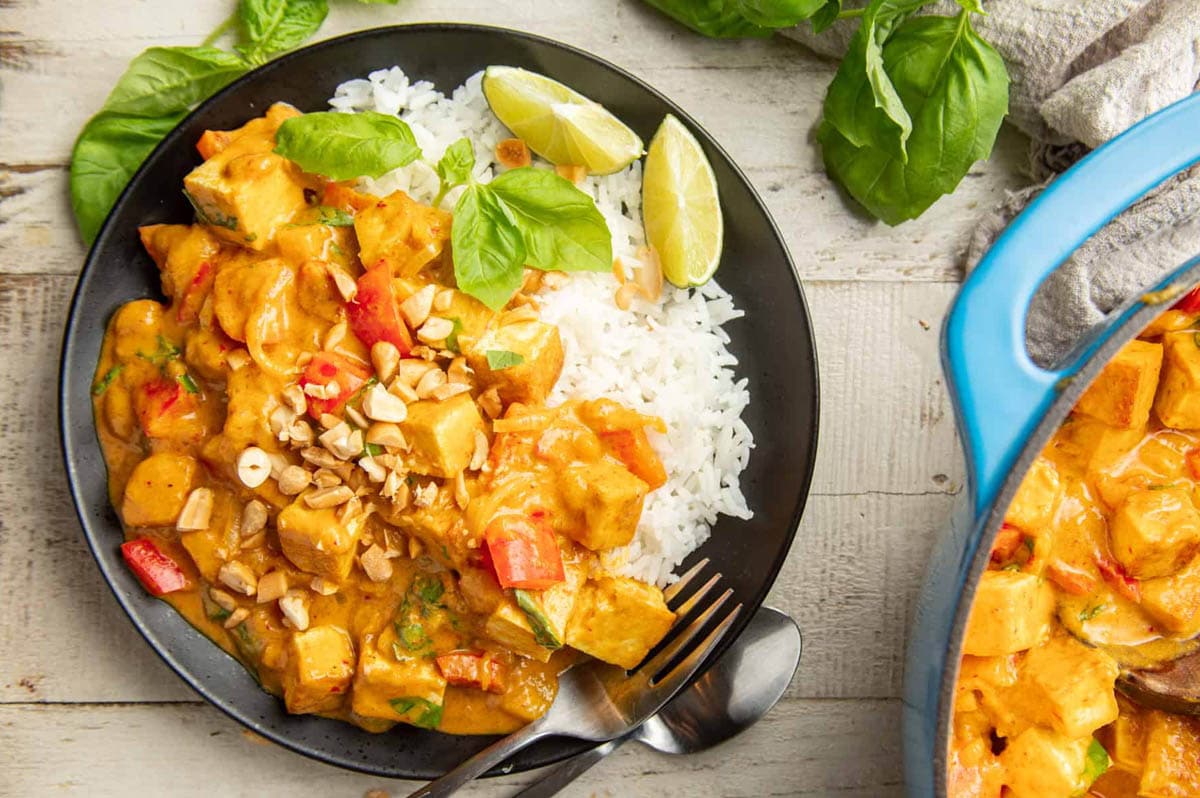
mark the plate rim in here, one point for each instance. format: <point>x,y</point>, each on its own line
<point>66,418</point>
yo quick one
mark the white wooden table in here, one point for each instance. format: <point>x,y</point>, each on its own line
<point>86,708</point>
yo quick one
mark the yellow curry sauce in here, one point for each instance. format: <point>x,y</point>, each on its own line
<point>1097,568</point>
<point>347,477</point>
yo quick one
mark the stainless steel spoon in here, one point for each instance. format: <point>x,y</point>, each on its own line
<point>748,679</point>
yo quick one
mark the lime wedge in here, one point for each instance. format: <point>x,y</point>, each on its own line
<point>680,208</point>
<point>559,123</point>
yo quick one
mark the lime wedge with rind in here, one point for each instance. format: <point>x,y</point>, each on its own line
<point>681,209</point>
<point>559,123</point>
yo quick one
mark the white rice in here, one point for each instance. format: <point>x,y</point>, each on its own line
<point>670,359</point>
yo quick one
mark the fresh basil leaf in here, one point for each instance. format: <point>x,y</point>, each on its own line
<point>166,80</point>
<point>489,251</point>
<point>107,153</point>
<point>499,359</point>
<point>713,18</point>
<point>862,103</point>
<point>974,6</point>
<point>418,711</point>
<point>454,167</point>
<point>274,26</point>
<point>777,13</point>
<point>346,146</point>
<point>955,87</point>
<point>1097,763</point>
<point>104,382</point>
<point>379,2</point>
<point>823,20</point>
<point>561,226</point>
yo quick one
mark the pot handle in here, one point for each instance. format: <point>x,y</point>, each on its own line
<point>998,392</point>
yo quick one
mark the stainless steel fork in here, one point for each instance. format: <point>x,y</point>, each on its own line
<point>597,701</point>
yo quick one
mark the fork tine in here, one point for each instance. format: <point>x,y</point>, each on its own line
<point>683,609</point>
<point>676,646</point>
<point>674,590</point>
<point>680,674</point>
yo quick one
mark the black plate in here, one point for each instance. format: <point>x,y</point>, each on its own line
<point>774,344</point>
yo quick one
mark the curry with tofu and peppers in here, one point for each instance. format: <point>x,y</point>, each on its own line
<point>344,471</point>
<point>1096,568</point>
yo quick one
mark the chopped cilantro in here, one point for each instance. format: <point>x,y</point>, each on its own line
<point>412,636</point>
<point>102,385</point>
<point>1089,613</point>
<point>418,711</point>
<point>188,383</point>
<point>372,449</point>
<point>215,219</point>
<point>452,338</point>
<point>502,359</point>
<point>428,588</point>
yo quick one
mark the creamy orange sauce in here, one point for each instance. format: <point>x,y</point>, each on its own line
<point>346,592</point>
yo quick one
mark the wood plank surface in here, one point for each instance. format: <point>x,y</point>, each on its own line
<point>83,700</point>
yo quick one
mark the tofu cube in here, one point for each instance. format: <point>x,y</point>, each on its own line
<point>1032,509</point>
<point>1124,392</point>
<point>1178,401</point>
<point>157,489</point>
<point>409,690</point>
<point>246,192</point>
<point>618,620</point>
<point>442,435</point>
<point>1066,686</point>
<point>534,624</point>
<point>1155,532</point>
<point>606,500</point>
<point>320,665</point>
<point>529,381</point>
<point>401,232</point>
<point>1126,741</point>
<point>1174,601</point>
<point>1011,613</point>
<point>316,541</point>
<point>1041,763</point>
<point>1172,754</point>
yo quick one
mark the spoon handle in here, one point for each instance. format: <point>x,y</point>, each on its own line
<point>479,764</point>
<point>566,772</point>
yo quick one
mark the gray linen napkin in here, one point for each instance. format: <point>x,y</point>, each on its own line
<point>1083,71</point>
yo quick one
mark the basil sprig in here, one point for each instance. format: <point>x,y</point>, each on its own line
<point>915,102</point>
<point>345,146</point>
<point>162,84</point>
<point>524,217</point>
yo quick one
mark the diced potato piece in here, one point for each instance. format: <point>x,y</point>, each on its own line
<point>535,624</point>
<point>157,489</point>
<point>1012,612</point>
<point>607,500</point>
<point>530,381</point>
<point>1172,754</point>
<point>410,690</point>
<point>320,665</point>
<point>245,291</point>
<point>404,233</point>
<point>442,435</point>
<point>1124,392</point>
<point>246,192</point>
<point>1032,509</point>
<point>1155,532</point>
<point>1174,601</point>
<point>1066,686</point>
<point>1178,402</point>
<point>618,620</point>
<point>1041,763</point>
<point>316,541</point>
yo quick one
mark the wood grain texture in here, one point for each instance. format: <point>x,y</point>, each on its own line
<point>803,748</point>
<point>82,697</point>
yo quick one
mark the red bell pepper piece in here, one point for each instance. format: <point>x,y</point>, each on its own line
<point>1008,540</point>
<point>327,367</point>
<point>1069,579</point>
<point>160,404</point>
<point>1190,302</point>
<point>157,572</point>
<point>212,142</point>
<point>524,552</point>
<point>374,313</point>
<point>1119,579</point>
<point>472,669</point>
<point>632,447</point>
